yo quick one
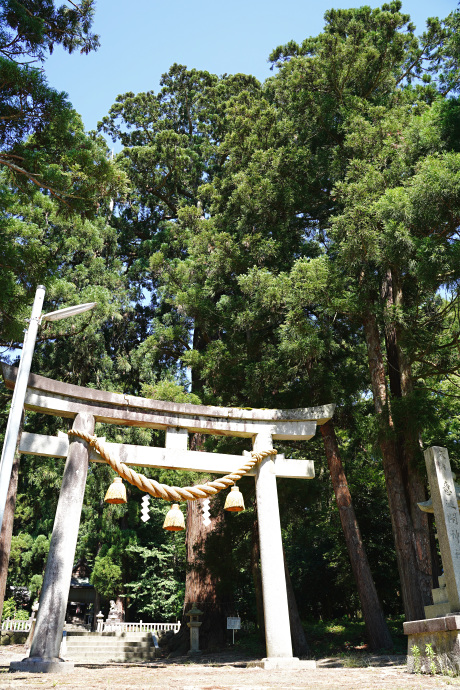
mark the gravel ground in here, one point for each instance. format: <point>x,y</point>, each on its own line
<point>224,671</point>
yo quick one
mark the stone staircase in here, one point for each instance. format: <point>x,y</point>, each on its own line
<point>440,606</point>
<point>101,648</point>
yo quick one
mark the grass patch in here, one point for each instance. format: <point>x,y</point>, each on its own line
<point>344,636</point>
<point>250,644</point>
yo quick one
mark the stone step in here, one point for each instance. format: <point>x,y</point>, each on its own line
<point>111,635</point>
<point>90,641</point>
<point>103,644</point>
<point>100,648</point>
<point>86,639</point>
<point>437,610</point>
<point>105,659</point>
<point>112,648</point>
<point>440,595</point>
<point>108,654</point>
<point>442,580</point>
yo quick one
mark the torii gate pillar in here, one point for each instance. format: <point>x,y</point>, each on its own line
<point>276,612</point>
<point>44,652</point>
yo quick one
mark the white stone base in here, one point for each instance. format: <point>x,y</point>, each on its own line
<point>309,664</point>
<point>38,665</point>
<point>284,662</point>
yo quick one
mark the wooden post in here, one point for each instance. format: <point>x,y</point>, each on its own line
<point>44,652</point>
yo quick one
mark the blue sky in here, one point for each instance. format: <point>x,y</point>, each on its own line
<point>140,39</point>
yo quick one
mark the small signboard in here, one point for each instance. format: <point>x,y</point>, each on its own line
<point>234,623</point>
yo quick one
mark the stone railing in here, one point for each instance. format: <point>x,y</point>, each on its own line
<point>16,625</point>
<point>103,626</point>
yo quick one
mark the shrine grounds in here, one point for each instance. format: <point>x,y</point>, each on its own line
<point>227,671</point>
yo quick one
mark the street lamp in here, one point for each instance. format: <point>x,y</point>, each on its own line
<point>20,388</point>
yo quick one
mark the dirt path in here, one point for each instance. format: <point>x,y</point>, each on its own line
<point>222,672</point>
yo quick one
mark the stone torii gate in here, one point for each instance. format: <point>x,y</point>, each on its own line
<point>87,406</point>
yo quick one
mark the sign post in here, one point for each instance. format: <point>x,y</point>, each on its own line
<point>233,623</point>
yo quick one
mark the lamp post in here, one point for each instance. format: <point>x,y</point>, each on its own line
<point>20,388</point>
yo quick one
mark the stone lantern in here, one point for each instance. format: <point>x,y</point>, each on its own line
<point>194,626</point>
<point>99,621</point>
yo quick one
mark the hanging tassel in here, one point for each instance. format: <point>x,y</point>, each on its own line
<point>234,501</point>
<point>116,493</point>
<point>174,520</point>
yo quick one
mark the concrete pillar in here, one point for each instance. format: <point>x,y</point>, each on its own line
<point>276,613</point>
<point>44,651</point>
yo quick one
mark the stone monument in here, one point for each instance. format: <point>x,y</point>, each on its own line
<point>441,628</point>
<point>115,616</point>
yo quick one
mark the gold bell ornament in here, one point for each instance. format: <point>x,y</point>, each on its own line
<point>116,493</point>
<point>174,520</point>
<point>234,501</point>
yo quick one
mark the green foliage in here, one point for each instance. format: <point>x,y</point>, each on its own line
<point>159,594</point>
<point>74,258</point>
<point>42,142</point>
<point>52,174</point>
<point>22,615</point>
<point>12,612</point>
<point>417,658</point>
<point>29,30</point>
<point>27,557</point>
<point>250,643</point>
<point>431,656</point>
<point>168,389</point>
<point>106,576</point>
<point>9,608</point>
<point>346,638</point>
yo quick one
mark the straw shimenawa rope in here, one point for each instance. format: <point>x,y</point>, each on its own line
<point>170,493</point>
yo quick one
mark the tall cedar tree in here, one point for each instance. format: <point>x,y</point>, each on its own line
<point>172,145</point>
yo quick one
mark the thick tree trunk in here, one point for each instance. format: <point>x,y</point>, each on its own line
<point>201,584</point>
<point>199,344</point>
<point>299,641</point>
<point>408,449</point>
<point>407,433</point>
<point>401,520</point>
<point>8,519</point>
<point>376,628</point>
